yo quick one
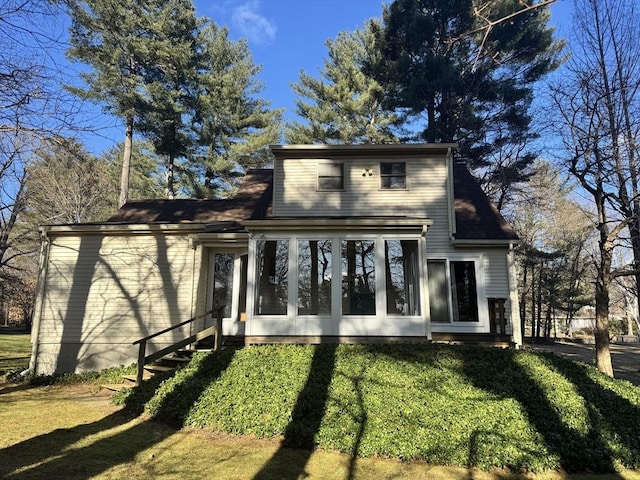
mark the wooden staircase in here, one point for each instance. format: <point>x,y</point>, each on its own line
<point>168,363</point>
<point>170,358</point>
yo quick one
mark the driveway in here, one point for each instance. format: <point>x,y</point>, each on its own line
<point>624,357</point>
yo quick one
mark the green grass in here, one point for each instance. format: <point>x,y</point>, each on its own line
<point>446,405</point>
<point>74,432</point>
<point>15,352</point>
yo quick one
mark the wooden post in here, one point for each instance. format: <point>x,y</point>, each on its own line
<point>141,355</point>
<point>217,338</point>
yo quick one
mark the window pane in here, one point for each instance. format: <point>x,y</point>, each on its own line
<point>463,292</point>
<point>393,168</point>
<point>401,265</point>
<point>314,277</point>
<point>330,169</point>
<point>330,183</point>
<point>223,283</point>
<point>330,176</point>
<point>438,294</point>
<point>271,294</point>
<point>358,277</point>
<point>393,175</point>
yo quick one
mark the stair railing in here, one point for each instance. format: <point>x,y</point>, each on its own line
<point>144,359</point>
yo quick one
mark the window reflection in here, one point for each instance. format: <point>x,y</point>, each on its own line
<point>358,277</point>
<point>314,277</point>
<point>460,288</point>
<point>272,285</point>
<point>223,282</point>
<point>402,284</point>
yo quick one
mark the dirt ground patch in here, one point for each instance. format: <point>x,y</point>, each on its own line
<point>624,357</point>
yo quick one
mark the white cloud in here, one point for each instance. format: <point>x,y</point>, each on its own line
<point>252,25</point>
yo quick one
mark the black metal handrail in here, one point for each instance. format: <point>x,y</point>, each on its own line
<point>143,359</point>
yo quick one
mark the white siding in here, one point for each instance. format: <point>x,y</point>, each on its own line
<point>103,292</point>
<point>296,193</point>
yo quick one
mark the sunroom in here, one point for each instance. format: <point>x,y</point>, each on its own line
<point>363,279</point>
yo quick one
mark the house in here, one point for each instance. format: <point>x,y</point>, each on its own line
<point>368,243</point>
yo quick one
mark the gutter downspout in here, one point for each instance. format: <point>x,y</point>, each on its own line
<point>43,268</point>
<point>451,198</point>
<point>514,301</point>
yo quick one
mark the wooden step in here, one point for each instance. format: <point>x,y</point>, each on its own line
<point>115,387</point>
<point>173,361</point>
<point>131,379</point>
<point>158,368</point>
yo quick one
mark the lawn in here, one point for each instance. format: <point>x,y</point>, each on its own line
<point>352,412</point>
<point>15,351</point>
<point>74,432</point>
<point>441,404</point>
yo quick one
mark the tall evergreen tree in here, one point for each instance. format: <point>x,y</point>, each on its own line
<point>148,178</point>
<point>130,45</point>
<point>170,93</point>
<point>467,68</point>
<point>233,126</point>
<point>345,105</point>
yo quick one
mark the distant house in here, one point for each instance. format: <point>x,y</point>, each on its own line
<point>369,243</point>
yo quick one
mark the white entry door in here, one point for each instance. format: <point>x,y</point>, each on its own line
<point>227,289</point>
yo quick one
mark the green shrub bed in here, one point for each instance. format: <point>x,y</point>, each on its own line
<point>450,405</point>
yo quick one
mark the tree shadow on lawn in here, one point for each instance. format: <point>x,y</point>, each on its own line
<point>52,455</point>
<point>305,420</point>
<point>576,451</point>
<point>614,421</point>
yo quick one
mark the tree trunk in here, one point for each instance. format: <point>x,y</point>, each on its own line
<point>523,301</point>
<point>169,176</point>
<point>539,304</point>
<point>603,355</point>
<point>126,163</point>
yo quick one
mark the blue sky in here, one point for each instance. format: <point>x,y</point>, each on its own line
<point>285,37</point>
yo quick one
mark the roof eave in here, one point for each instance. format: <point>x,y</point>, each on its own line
<point>339,224</point>
<point>297,151</point>
<point>485,242</point>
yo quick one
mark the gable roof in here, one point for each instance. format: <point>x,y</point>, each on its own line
<point>477,219</point>
<point>251,202</point>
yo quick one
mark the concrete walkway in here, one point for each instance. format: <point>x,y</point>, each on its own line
<point>624,357</point>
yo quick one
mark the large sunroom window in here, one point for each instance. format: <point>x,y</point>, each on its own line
<point>314,277</point>
<point>453,294</point>
<point>358,277</point>
<point>272,277</point>
<point>402,277</point>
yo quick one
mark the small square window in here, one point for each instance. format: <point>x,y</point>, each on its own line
<point>393,175</point>
<point>330,176</point>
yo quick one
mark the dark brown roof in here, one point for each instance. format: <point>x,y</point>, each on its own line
<point>476,217</point>
<point>251,202</point>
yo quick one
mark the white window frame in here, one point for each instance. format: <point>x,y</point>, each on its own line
<point>406,176</point>
<point>319,188</point>
<point>482,325</point>
<point>382,323</point>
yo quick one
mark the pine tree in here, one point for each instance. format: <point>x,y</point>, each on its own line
<point>345,105</point>
<point>233,126</point>
<point>170,93</point>
<point>131,45</point>
<point>467,67</point>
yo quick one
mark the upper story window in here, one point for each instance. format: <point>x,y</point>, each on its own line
<point>393,175</point>
<point>330,175</point>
